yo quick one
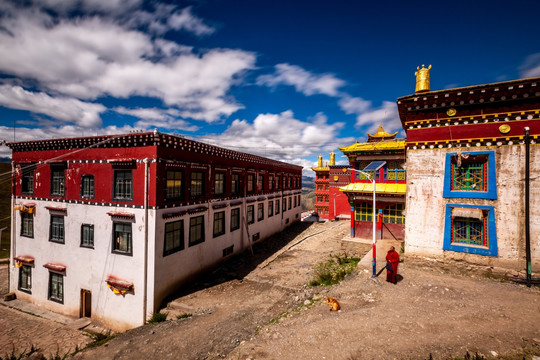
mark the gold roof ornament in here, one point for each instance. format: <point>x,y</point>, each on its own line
<point>332,158</point>
<point>319,163</point>
<point>381,135</point>
<point>422,79</point>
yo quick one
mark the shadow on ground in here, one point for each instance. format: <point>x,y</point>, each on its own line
<point>240,265</point>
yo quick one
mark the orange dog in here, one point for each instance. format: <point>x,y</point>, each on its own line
<point>334,305</point>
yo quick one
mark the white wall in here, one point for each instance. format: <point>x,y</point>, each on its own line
<point>425,209</point>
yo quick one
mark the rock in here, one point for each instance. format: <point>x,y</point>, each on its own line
<point>494,353</point>
<point>307,302</point>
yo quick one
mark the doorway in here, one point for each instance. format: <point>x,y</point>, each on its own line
<point>86,303</point>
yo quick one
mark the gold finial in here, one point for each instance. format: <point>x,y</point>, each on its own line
<point>319,164</point>
<point>422,79</point>
<point>332,158</point>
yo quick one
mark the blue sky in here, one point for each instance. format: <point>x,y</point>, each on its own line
<point>283,79</point>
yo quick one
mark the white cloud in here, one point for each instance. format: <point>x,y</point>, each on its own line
<point>96,56</point>
<point>54,132</point>
<point>353,105</point>
<point>282,137</point>
<point>186,20</point>
<point>302,80</point>
<point>531,66</point>
<point>160,118</point>
<point>387,115</point>
<point>70,110</point>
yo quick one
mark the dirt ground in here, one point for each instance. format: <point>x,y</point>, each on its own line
<point>259,307</point>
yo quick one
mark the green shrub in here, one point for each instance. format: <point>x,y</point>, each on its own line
<point>184,316</point>
<point>333,271</point>
<point>158,317</point>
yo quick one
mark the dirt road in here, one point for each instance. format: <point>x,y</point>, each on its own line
<point>259,307</point>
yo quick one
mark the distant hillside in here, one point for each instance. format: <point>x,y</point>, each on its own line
<point>308,182</point>
<point>5,208</point>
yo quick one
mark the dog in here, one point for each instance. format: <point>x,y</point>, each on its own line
<point>333,303</point>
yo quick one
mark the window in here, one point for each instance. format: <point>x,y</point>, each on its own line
<point>298,202</point>
<point>25,278</point>
<point>260,211</point>
<point>27,224</point>
<point>174,237</point>
<point>27,183</point>
<point>123,185</point>
<point>284,182</point>
<point>235,184</point>
<point>260,182</point>
<point>196,230</point>
<point>56,287</point>
<point>294,197</point>
<point>57,181</point>
<point>175,185</point>
<point>394,171</point>
<point>393,214</point>
<point>197,184</point>
<point>56,231</point>
<point>470,229</point>
<point>290,202</point>
<point>235,219</point>
<point>277,207</point>
<point>277,182</point>
<point>250,182</point>
<point>122,239</point>
<point>219,184</point>
<point>87,235</point>
<point>364,212</point>
<point>87,186</point>
<point>270,208</point>
<point>250,214</point>
<point>270,182</point>
<point>470,175</point>
<point>219,223</point>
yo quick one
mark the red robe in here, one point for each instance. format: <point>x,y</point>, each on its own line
<point>393,258</point>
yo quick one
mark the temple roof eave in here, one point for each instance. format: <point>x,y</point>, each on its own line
<point>380,188</point>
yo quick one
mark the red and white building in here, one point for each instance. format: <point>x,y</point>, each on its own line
<point>106,227</point>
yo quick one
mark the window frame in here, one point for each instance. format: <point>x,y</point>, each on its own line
<point>490,232</point>
<point>391,214</point>
<point>169,228</point>
<point>364,211</point>
<point>250,214</point>
<point>83,186</point>
<point>62,230</point>
<point>194,185</point>
<point>55,177</point>
<point>20,287</point>
<point>177,191</point>
<point>24,218</point>
<point>277,207</point>
<point>235,184</point>
<point>87,244</point>
<point>116,193</point>
<point>260,211</point>
<point>219,223</point>
<point>235,214</point>
<point>50,295</point>
<point>270,208</point>
<point>250,187</point>
<point>115,244</point>
<point>219,184</point>
<point>192,226</point>
<point>260,182</point>
<point>491,180</point>
<point>28,178</point>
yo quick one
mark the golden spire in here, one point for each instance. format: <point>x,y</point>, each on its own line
<point>332,158</point>
<point>381,135</point>
<point>422,79</point>
<point>319,164</point>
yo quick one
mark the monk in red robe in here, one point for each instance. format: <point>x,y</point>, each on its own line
<point>392,258</point>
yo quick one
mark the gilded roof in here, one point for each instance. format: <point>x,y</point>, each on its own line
<point>374,146</point>
<point>380,188</point>
<point>381,134</point>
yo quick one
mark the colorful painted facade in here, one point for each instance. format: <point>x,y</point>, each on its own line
<point>106,227</point>
<point>330,203</point>
<point>383,158</point>
<point>466,179</point>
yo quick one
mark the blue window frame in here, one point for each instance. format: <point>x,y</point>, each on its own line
<point>474,177</point>
<point>470,229</point>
